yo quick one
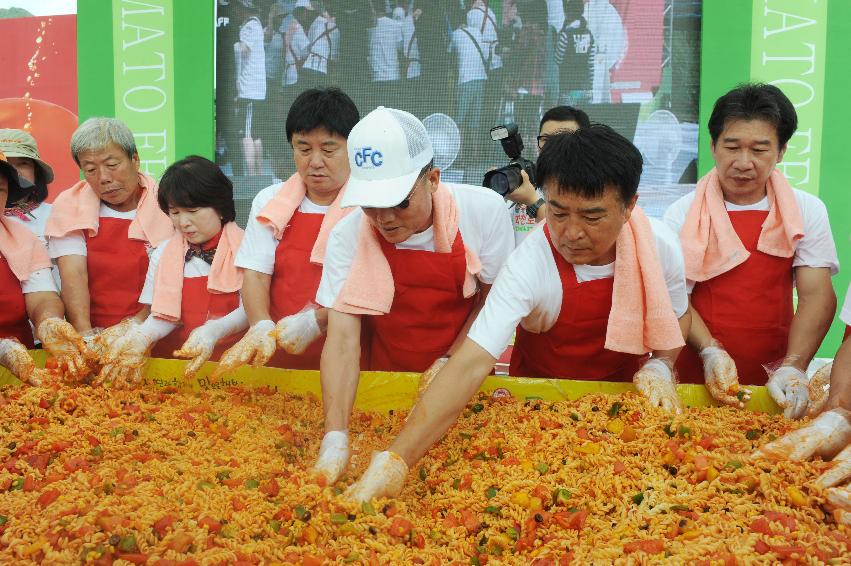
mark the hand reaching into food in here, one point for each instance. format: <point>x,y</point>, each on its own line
<point>655,380</point>
<point>68,348</point>
<point>827,436</point>
<point>333,455</point>
<point>296,332</point>
<point>722,379</point>
<point>818,390</point>
<point>15,357</point>
<point>124,357</point>
<point>788,387</point>
<point>255,348</point>
<point>384,477</point>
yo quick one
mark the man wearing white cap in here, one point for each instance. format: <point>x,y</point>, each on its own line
<point>418,259</point>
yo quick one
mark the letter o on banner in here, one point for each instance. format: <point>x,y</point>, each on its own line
<point>152,106</point>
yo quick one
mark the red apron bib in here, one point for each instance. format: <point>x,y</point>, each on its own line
<point>574,348</point>
<point>14,322</point>
<point>117,266</point>
<point>747,309</point>
<point>294,284</point>
<point>197,306</point>
<point>428,311</point>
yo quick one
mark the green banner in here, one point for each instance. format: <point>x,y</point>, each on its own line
<point>788,46</point>
<point>144,78</point>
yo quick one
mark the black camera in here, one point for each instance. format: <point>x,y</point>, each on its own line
<point>506,179</point>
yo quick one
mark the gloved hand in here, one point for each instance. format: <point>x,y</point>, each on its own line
<point>297,331</point>
<point>788,387</point>
<point>198,348</point>
<point>655,380</point>
<point>722,379</point>
<point>818,390</point>
<point>256,347</point>
<point>384,477</point>
<point>826,435</point>
<point>61,340</point>
<point>122,359</point>
<point>101,338</point>
<point>15,357</point>
<point>333,455</point>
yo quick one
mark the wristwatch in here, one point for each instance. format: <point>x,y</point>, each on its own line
<point>532,209</point>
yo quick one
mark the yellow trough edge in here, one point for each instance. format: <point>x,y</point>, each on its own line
<point>382,391</point>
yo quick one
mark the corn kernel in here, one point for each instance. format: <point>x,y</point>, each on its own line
<point>796,497</point>
<point>615,426</point>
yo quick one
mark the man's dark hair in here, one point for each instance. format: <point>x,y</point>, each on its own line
<point>564,114</point>
<point>755,101</point>
<point>328,108</point>
<point>590,159</point>
<point>197,182</point>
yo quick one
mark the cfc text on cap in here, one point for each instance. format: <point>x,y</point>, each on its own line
<point>368,157</point>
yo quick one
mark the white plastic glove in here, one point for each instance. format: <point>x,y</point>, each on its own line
<point>818,390</point>
<point>15,357</point>
<point>99,339</point>
<point>825,436</point>
<point>255,348</point>
<point>788,387</point>
<point>124,357</point>
<point>202,341</point>
<point>384,477</point>
<point>722,379</point>
<point>61,340</point>
<point>333,455</point>
<point>297,331</point>
<point>655,380</point>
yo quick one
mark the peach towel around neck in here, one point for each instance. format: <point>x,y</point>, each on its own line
<point>642,318</point>
<point>23,251</point>
<point>369,288</point>
<point>278,212</point>
<point>78,208</point>
<point>224,276</point>
<point>710,243</point>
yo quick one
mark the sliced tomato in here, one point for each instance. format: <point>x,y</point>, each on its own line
<point>212,525</point>
<point>571,520</point>
<point>180,542</point>
<point>760,547</point>
<point>310,560</point>
<point>400,527</point>
<point>48,497</point>
<point>787,521</point>
<point>270,488</point>
<point>466,482</point>
<point>237,503</point>
<point>761,526</point>
<point>135,558</point>
<point>653,546</point>
<point>161,526</point>
<point>619,467</point>
<point>470,521</point>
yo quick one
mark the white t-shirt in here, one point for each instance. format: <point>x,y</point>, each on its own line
<point>36,223</point>
<point>257,251</point>
<point>815,249</point>
<point>555,14</point>
<point>529,291</point>
<point>322,44</point>
<point>386,44</point>
<point>39,280</point>
<point>471,66</point>
<point>296,51</point>
<point>484,22</point>
<point>411,50</point>
<point>845,315</point>
<point>251,82</point>
<point>195,267</point>
<point>74,243</point>
<point>482,219</point>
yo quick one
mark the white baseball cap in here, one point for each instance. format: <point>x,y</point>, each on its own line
<point>387,150</point>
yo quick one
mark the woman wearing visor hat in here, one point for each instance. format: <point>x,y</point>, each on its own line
<point>25,203</point>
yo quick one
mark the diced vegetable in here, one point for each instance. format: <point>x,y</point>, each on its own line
<point>252,484</point>
<point>638,498</point>
<point>339,518</point>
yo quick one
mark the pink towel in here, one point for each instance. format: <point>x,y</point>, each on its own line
<point>224,276</point>
<point>642,318</point>
<point>278,212</point>
<point>369,288</point>
<point>78,208</point>
<point>710,243</point>
<point>23,251</point>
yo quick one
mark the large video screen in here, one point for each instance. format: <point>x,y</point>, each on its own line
<point>463,67</point>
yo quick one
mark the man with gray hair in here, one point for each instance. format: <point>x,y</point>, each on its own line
<point>101,230</point>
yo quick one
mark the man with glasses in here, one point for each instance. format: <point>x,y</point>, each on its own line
<point>406,274</point>
<point>529,205</point>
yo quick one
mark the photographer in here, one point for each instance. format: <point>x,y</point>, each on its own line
<point>526,197</point>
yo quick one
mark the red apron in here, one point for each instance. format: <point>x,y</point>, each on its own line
<point>428,311</point>
<point>14,322</point>
<point>197,306</point>
<point>747,309</point>
<point>294,284</point>
<point>574,348</point>
<point>117,266</point>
